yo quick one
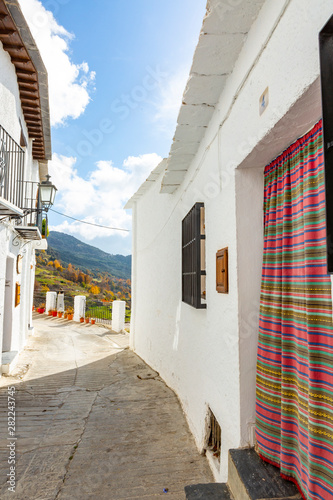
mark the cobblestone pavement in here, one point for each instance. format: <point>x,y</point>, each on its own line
<point>93,421</point>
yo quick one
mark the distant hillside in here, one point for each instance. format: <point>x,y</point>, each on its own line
<point>70,250</point>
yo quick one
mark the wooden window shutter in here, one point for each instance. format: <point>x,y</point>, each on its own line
<point>17,294</point>
<point>222,271</point>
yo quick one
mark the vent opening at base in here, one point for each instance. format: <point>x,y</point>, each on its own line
<point>214,439</point>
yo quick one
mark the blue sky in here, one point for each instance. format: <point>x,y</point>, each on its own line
<point>117,71</point>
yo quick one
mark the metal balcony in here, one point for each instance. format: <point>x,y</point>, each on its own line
<point>30,225</point>
<point>11,176</point>
<point>19,199</point>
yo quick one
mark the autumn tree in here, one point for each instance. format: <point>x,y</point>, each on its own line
<point>87,279</point>
<point>109,295</point>
<point>71,274</point>
<point>94,290</point>
<point>81,277</point>
<point>57,265</point>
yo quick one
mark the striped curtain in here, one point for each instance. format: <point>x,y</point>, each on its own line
<point>295,352</point>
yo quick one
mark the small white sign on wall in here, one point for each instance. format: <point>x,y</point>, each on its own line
<point>263,101</point>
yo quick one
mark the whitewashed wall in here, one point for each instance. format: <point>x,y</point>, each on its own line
<point>11,118</point>
<point>208,356</point>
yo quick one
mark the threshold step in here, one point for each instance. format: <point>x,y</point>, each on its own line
<point>250,478</point>
<point>211,491</point>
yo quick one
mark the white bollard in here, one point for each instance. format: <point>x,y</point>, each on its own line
<point>79,307</point>
<point>51,301</point>
<point>118,315</point>
<point>61,302</point>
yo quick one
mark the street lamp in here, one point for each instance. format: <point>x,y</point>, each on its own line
<point>47,192</point>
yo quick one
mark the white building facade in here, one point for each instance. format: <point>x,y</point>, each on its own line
<point>254,88</point>
<point>25,149</point>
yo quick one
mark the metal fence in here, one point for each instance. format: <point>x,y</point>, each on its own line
<point>102,313</point>
<point>69,302</point>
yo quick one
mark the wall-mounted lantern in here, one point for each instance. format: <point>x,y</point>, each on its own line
<point>47,192</point>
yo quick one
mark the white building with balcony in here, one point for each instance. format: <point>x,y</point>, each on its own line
<point>25,148</point>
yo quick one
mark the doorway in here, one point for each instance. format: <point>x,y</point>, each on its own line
<point>8,305</point>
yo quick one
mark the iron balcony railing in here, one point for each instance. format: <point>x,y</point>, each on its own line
<point>19,198</point>
<point>32,207</point>
<point>11,169</point>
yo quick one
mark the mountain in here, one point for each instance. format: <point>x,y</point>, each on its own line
<point>70,250</point>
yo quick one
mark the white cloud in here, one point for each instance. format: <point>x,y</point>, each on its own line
<point>100,198</point>
<point>69,84</point>
<point>169,100</point>
<point>143,163</point>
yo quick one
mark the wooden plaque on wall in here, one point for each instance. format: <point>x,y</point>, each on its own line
<point>17,294</point>
<point>222,271</point>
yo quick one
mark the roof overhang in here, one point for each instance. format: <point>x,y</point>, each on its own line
<point>31,74</point>
<point>224,31</point>
<point>153,176</point>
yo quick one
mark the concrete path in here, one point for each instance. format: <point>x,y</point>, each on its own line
<point>92,422</point>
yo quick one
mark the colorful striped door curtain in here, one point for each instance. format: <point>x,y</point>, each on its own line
<point>295,352</point>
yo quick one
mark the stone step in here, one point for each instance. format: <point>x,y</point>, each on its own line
<point>250,478</point>
<point>8,362</point>
<point>214,491</point>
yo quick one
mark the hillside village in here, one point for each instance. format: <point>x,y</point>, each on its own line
<point>221,386</point>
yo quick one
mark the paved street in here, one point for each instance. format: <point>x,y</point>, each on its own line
<point>93,421</point>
